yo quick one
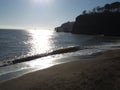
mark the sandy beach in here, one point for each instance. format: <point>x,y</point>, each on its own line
<point>99,73</point>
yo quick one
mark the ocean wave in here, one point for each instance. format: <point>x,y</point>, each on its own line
<point>105,46</point>
<point>54,52</point>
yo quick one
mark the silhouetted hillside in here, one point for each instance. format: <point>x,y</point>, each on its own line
<point>66,27</point>
<point>99,23</point>
<point>102,20</point>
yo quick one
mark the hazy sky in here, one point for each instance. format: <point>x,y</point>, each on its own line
<point>43,14</point>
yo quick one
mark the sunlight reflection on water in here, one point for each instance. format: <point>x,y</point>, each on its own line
<point>40,41</point>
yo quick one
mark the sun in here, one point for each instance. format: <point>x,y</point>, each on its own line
<point>42,1</point>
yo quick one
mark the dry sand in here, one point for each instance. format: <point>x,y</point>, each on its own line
<point>99,73</point>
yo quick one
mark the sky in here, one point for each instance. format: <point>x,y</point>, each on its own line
<point>43,14</point>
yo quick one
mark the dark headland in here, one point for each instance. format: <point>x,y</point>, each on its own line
<point>100,21</point>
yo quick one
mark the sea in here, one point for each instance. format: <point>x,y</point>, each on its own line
<point>25,51</point>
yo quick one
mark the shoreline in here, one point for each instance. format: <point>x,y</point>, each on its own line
<point>45,63</point>
<point>100,72</point>
<point>54,52</point>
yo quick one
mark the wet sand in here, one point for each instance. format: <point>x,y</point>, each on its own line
<point>99,73</point>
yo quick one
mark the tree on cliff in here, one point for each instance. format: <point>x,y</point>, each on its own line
<point>113,7</point>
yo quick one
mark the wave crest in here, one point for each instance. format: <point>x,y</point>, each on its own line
<point>29,58</point>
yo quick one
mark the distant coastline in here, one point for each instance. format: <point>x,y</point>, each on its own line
<point>11,29</point>
<point>66,27</point>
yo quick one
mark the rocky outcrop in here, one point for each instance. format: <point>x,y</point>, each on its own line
<point>66,27</point>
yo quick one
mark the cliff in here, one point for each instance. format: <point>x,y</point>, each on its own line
<point>106,23</point>
<point>102,20</point>
<point>99,21</point>
<point>66,27</point>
